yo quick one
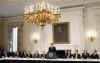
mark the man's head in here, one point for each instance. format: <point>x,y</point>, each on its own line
<point>76,50</point>
<point>52,44</point>
<point>95,51</point>
<point>85,51</point>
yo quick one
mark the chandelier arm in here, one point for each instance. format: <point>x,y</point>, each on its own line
<point>42,14</point>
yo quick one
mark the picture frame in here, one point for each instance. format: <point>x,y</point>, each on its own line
<point>61,33</point>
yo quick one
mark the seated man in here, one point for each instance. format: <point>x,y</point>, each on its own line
<point>52,52</point>
<point>30,54</point>
<point>43,55</point>
<point>36,54</point>
<point>76,55</point>
<point>21,54</point>
<point>2,52</point>
<point>85,54</point>
<point>94,55</point>
<point>68,54</point>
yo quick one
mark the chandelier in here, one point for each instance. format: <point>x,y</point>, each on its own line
<point>42,13</point>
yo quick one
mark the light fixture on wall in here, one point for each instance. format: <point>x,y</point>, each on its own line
<point>91,35</point>
<point>42,13</point>
<point>36,37</point>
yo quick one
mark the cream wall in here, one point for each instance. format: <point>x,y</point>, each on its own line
<point>1,33</point>
<point>4,34</point>
<point>74,16</point>
<point>93,23</point>
<point>79,28</point>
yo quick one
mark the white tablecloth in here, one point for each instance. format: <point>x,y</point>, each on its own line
<point>41,59</point>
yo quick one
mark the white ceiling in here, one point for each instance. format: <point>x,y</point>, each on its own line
<point>16,7</point>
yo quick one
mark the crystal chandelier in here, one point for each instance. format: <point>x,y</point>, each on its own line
<point>42,13</point>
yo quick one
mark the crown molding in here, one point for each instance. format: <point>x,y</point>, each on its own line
<point>12,19</point>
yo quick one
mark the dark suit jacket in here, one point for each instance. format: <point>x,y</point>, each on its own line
<point>1,52</point>
<point>51,53</point>
<point>68,55</point>
<point>94,56</point>
<point>30,55</point>
<point>78,56</point>
<point>85,56</point>
<point>9,54</point>
<point>26,55</point>
<point>43,55</point>
<point>36,56</point>
<point>21,54</point>
<point>52,49</point>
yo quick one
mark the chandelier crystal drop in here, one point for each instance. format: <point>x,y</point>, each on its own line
<point>42,13</point>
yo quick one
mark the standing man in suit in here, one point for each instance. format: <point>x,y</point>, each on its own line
<point>52,51</point>
<point>76,55</point>
<point>95,55</point>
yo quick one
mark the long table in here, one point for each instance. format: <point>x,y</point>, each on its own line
<point>42,60</point>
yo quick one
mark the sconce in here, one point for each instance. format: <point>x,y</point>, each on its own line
<point>92,36</point>
<point>36,37</point>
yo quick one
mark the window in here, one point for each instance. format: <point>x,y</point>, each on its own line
<point>13,42</point>
<point>15,30</point>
